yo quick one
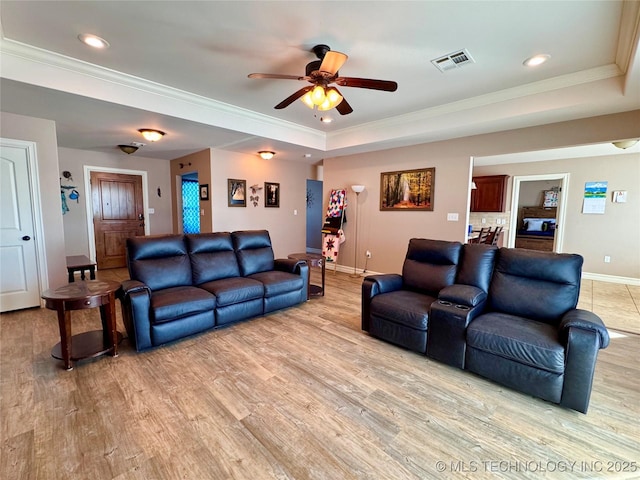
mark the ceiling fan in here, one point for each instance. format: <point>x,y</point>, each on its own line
<point>322,73</point>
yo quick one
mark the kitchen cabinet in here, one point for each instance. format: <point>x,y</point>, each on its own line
<point>489,194</point>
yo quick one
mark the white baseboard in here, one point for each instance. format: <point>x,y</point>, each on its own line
<point>611,278</point>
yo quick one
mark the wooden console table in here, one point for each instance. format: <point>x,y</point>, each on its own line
<point>80,263</point>
<point>313,260</point>
<point>80,296</point>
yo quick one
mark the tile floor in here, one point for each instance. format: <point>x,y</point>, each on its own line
<point>617,304</point>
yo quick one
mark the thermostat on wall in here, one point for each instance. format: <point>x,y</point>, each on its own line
<point>619,196</point>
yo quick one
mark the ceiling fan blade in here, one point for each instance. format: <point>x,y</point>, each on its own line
<point>343,107</point>
<point>332,62</point>
<point>385,85</point>
<point>292,98</point>
<point>277,76</point>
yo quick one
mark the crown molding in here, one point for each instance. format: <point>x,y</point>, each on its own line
<point>415,122</point>
<point>87,79</point>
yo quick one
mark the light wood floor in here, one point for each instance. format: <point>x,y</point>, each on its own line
<point>298,394</point>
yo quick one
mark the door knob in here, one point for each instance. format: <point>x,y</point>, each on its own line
<point>26,238</point>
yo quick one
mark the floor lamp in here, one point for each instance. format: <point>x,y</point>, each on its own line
<point>358,189</point>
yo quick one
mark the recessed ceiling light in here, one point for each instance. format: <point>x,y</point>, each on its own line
<point>536,60</point>
<point>93,40</point>
<point>307,155</point>
<point>326,119</point>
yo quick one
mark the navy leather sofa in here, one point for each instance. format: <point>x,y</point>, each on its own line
<point>510,316</point>
<point>185,284</point>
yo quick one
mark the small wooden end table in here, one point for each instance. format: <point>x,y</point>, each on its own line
<point>80,296</point>
<point>80,263</point>
<point>313,260</point>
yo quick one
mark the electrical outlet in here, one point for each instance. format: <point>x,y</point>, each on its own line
<point>607,259</point>
<point>368,254</point>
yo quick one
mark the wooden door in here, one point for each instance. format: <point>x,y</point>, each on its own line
<point>19,281</point>
<point>118,213</point>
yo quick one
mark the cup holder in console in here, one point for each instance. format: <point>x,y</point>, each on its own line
<point>445,303</point>
<point>462,307</point>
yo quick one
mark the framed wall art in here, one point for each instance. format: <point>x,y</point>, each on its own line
<point>407,190</point>
<point>237,192</point>
<point>271,194</point>
<point>204,191</point>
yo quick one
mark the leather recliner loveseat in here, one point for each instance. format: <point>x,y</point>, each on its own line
<point>185,284</point>
<point>510,316</point>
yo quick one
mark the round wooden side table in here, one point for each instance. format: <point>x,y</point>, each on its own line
<point>313,260</point>
<point>80,296</point>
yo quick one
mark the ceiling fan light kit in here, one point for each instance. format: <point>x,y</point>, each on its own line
<point>321,74</point>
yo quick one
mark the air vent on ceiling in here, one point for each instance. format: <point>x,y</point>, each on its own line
<point>453,60</point>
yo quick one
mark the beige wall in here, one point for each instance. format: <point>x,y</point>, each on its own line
<point>43,133</point>
<point>75,221</point>
<point>387,234</point>
<point>617,232</point>
<point>287,230</point>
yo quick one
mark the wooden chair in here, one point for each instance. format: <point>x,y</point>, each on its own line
<point>492,237</point>
<point>482,236</point>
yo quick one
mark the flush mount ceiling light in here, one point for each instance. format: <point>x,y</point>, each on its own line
<point>93,40</point>
<point>536,60</point>
<point>624,144</point>
<point>266,154</point>
<point>151,134</point>
<point>128,149</point>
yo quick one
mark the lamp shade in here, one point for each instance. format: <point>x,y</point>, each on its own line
<point>128,149</point>
<point>357,188</point>
<point>266,154</point>
<point>624,144</point>
<point>151,135</point>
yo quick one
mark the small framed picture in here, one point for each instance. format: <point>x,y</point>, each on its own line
<point>237,192</point>
<point>271,194</point>
<point>204,191</point>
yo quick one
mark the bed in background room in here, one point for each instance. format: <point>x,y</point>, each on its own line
<point>537,228</point>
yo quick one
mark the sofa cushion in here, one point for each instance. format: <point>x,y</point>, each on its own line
<point>159,262</point>
<point>476,265</point>
<point>177,302</point>
<point>532,343</point>
<point>430,265</point>
<point>403,307</point>
<point>278,283</point>
<point>212,257</point>
<point>229,291</point>
<point>253,251</point>
<point>538,285</point>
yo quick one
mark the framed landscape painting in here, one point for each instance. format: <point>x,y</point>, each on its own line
<point>237,192</point>
<point>407,190</point>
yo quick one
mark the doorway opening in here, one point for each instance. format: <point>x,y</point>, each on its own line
<point>190,203</point>
<point>525,192</point>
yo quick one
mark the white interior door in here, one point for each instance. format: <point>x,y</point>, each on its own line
<point>19,285</point>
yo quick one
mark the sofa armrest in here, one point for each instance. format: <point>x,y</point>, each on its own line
<point>375,285</point>
<point>135,299</point>
<point>289,265</point>
<point>584,320</point>
<point>583,334</point>
<point>130,286</point>
<point>447,330</point>
<point>466,295</point>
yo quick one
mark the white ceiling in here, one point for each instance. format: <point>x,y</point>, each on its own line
<point>182,67</point>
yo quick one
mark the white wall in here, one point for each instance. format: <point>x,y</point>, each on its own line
<point>75,221</point>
